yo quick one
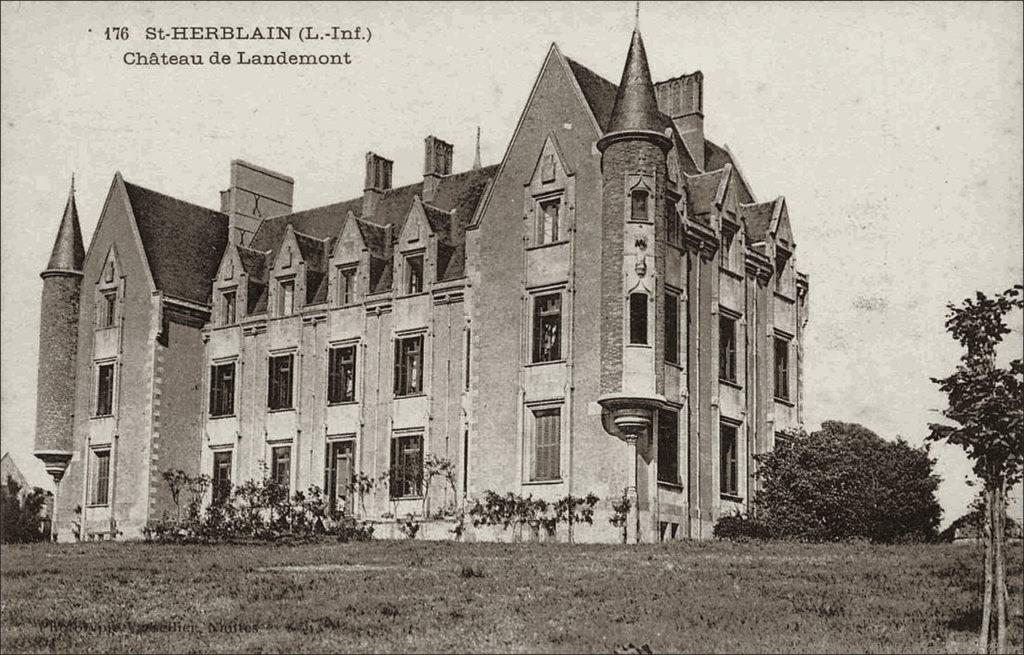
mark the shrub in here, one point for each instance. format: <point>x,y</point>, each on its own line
<point>739,527</point>
<point>845,482</point>
<point>513,510</point>
<point>620,514</point>
<point>20,514</point>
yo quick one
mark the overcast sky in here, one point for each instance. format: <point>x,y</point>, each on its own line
<point>893,130</point>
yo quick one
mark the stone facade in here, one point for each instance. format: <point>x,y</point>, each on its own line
<point>608,310</point>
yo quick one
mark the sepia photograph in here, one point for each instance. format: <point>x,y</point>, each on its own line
<point>511,327</point>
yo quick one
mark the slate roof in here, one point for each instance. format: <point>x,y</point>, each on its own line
<point>636,107</point>
<point>313,251</point>
<point>254,262</point>
<point>68,253</point>
<point>701,191</point>
<point>183,242</point>
<point>716,157</point>
<point>758,218</point>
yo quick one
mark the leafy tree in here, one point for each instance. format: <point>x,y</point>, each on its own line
<point>20,514</point>
<point>986,407</point>
<point>845,482</point>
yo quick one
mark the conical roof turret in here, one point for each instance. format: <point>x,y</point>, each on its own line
<point>68,253</point>
<point>636,106</point>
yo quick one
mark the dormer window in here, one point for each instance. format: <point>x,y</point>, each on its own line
<point>548,228</point>
<point>638,200</point>
<point>414,273</point>
<point>346,285</point>
<point>108,308</point>
<point>286,298</point>
<point>228,305</point>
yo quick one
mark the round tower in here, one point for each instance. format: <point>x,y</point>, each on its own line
<point>58,345</point>
<point>634,168</point>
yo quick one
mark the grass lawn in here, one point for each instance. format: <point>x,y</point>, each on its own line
<point>422,596</point>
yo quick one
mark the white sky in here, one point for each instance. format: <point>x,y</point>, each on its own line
<point>893,130</point>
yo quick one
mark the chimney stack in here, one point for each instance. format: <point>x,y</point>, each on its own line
<point>378,180</point>
<point>682,99</point>
<point>256,193</point>
<point>437,163</point>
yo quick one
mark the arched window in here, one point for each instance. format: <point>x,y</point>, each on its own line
<point>638,205</point>
<point>638,318</point>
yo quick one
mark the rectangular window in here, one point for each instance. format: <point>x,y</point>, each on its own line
<point>674,224</point>
<point>782,368</point>
<point>638,318</point>
<point>341,375</point>
<point>108,309</point>
<point>101,479</point>
<point>729,479</point>
<point>339,474</point>
<point>548,221</point>
<point>105,390</point>
<point>228,300</point>
<point>671,328</point>
<point>222,389</point>
<point>409,366</point>
<point>547,437</point>
<point>638,205</point>
<point>668,446</point>
<point>547,328</point>
<point>281,466</point>
<point>221,476</point>
<point>469,343</point>
<point>286,298</point>
<point>414,273</point>
<point>726,348</point>
<point>406,466</point>
<point>279,387</point>
<point>346,285</point>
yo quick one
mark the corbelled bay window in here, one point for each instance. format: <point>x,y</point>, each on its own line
<point>341,375</point>
<point>547,328</point>
<point>409,365</point>
<point>279,386</point>
<point>222,389</point>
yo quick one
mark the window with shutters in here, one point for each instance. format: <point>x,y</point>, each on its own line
<point>729,467</point>
<point>279,387</point>
<point>341,375</point>
<point>105,390</point>
<point>547,328</point>
<point>100,493</point>
<point>781,368</point>
<point>347,284</point>
<point>726,348</point>
<point>668,446</point>
<point>672,336</point>
<point>547,451</point>
<point>406,473</point>
<point>638,318</point>
<point>222,390</point>
<point>221,485</point>
<point>281,466</point>
<point>409,366</point>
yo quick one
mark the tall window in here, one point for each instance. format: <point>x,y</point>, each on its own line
<point>101,479</point>
<point>547,328</point>
<point>673,224</point>
<point>228,305</point>
<point>638,318</point>
<point>409,365</point>
<point>668,446</point>
<point>281,466</point>
<point>341,375</point>
<point>279,387</point>
<point>221,476</point>
<point>339,474</point>
<point>406,466</point>
<point>548,221</point>
<point>638,205</point>
<point>286,298</point>
<point>108,309</point>
<point>346,285</point>
<point>547,436</point>
<point>782,368</point>
<point>414,273</point>
<point>222,390</point>
<point>671,328</point>
<point>726,348</point>
<point>469,343</point>
<point>729,478</point>
<point>105,390</point>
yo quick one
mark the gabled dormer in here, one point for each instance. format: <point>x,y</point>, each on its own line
<point>549,201</point>
<point>109,291</point>
<point>415,254</point>
<point>348,267</point>
<point>240,285</point>
<point>287,278</point>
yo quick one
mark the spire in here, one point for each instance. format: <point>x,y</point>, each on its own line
<point>68,253</point>
<point>636,107</point>
<point>476,158</point>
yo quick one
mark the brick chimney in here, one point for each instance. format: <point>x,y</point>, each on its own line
<point>378,180</point>
<point>437,163</point>
<point>255,193</point>
<point>682,99</point>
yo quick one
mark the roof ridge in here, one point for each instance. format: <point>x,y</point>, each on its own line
<point>170,197</point>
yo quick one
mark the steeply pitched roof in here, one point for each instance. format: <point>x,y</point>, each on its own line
<point>313,251</point>
<point>375,237</point>
<point>598,92</point>
<point>636,106</point>
<point>254,262</point>
<point>702,191</point>
<point>758,219</point>
<point>68,253</point>
<point>716,157</point>
<point>184,243</point>
<point>440,222</point>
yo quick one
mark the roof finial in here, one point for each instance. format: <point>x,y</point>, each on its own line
<point>72,183</point>
<point>636,25</point>
<point>476,159</point>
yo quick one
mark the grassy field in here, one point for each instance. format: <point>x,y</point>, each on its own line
<point>420,596</point>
